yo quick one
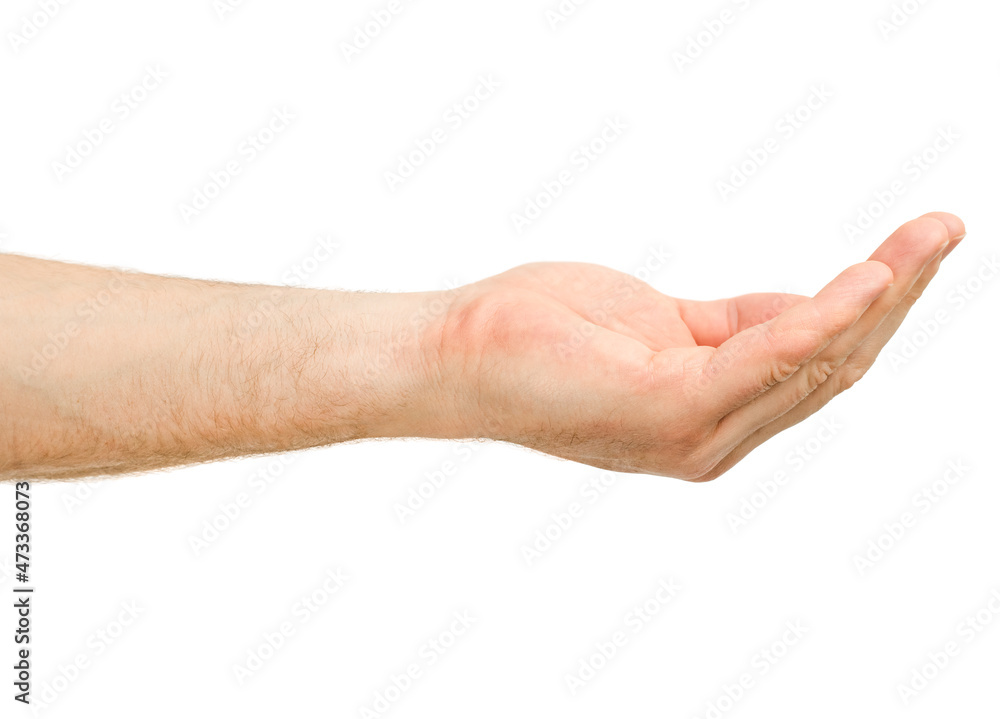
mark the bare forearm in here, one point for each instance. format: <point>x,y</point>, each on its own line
<point>106,372</point>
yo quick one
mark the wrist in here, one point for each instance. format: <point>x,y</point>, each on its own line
<point>406,366</point>
<point>341,366</point>
<point>356,365</point>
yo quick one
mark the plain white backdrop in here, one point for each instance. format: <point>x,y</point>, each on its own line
<point>832,124</point>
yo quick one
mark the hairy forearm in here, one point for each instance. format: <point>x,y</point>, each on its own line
<point>105,372</point>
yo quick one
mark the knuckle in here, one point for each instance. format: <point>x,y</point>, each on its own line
<point>789,350</point>
<point>780,370</point>
<point>819,372</point>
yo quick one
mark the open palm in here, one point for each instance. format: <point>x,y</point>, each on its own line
<point>593,365</point>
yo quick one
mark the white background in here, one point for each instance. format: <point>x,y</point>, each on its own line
<point>654,190</point>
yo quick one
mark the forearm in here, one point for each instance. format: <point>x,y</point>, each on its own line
<point>106,372</point>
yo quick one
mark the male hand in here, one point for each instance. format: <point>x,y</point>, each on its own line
<point>590,364</point>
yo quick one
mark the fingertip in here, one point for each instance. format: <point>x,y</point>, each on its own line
<point>956,228</point>
<point>881,273</point>
<point>914,245</point>
<point>931,231</point>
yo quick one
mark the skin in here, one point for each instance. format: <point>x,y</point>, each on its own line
<point>108,373</point>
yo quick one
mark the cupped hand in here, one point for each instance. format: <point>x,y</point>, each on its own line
<point>593,365</point>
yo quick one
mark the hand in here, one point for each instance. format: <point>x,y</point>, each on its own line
<point>589,364</point>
